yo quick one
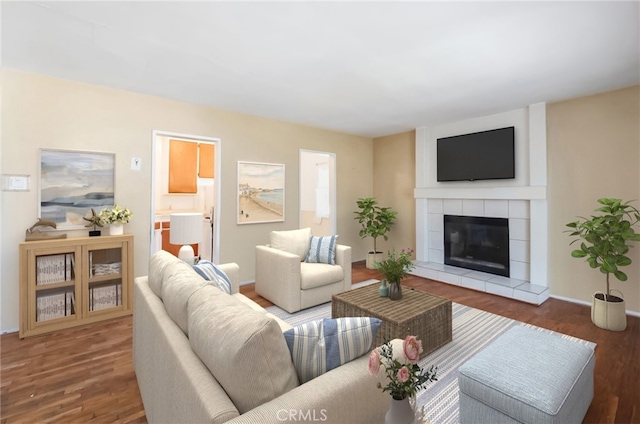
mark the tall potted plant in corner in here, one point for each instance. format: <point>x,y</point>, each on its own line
<point>375,221</point>
<point>604,243</point>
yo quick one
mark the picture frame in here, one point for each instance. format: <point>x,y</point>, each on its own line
<point>71,183</point>
<point>261,192</point>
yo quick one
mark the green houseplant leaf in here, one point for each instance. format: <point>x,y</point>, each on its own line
<point>605,238</point>
<point>375,221</point>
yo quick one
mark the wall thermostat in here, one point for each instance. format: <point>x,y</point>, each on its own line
<point>15,182</point>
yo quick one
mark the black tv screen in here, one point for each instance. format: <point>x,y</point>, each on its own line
<point>486,155</point>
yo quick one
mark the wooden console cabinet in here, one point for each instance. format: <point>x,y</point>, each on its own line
<point>69,282</point>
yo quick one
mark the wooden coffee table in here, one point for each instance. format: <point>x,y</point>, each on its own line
<point>426,316</point>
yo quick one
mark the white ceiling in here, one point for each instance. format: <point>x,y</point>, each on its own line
<point>367,68</point>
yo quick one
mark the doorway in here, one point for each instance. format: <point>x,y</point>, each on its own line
<point>204,197</point>
<point>318,192</point>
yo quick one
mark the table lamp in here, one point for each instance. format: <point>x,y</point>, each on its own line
<point>186,229</point>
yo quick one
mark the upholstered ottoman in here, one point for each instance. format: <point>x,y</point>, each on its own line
<point>527,376</point>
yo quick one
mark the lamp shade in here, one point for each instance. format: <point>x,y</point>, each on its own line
<point>186,228</point>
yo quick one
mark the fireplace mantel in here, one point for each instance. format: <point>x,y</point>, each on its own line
<point>497,193</point>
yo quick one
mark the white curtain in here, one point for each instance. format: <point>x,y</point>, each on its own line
<point>323,205</point>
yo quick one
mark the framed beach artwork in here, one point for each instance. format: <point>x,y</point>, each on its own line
<point>72,183</point>
<point>260,192</point>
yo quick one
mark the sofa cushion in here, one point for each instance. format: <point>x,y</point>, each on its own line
<point>320,346</point>
<point>179,282</point>
<point>292,241</point>
<point>317,275</point>
<point>210,272</point>
<point>158,264</point>
<point>322,250</point>
<point>253,305</point>
<point>244,349</point>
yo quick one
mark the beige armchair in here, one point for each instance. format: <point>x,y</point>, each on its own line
<point>284,278</point>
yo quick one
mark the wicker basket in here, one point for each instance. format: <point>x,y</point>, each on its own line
<point>610,315</point>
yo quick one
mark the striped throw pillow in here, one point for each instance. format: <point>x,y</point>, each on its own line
<point>210,272</point>
<point>320,346</point>
<point>322,250</point>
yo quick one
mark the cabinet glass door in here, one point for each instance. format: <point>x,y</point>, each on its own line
<point>54,292</point>
<point>104,291</point>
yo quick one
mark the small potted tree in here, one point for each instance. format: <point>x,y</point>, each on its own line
<point>375,221</point>
<point>604,243</point>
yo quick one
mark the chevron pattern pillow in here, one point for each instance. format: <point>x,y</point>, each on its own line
<point>320,346</point>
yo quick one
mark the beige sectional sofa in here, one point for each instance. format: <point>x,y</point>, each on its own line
<point>201,355</point>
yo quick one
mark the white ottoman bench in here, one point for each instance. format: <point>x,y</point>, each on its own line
<point>527,376</point>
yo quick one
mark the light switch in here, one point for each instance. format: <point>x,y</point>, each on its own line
<point>136,164</point>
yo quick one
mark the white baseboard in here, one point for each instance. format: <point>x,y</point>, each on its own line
<point>582,302</point>
<point>9,330</point>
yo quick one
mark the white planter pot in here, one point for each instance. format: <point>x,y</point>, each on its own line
<point>610,315</point>
<point>372,258</point>
<point>116,229</point>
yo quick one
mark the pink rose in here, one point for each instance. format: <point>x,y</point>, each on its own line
<point>374,362</point>
<point>412,348</point>
<point>403,374</point>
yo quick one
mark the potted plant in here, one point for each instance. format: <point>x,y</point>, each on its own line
<point>394,269</point>
<point>605,243</point>
<point>116,217</point>
<point>375,222</point>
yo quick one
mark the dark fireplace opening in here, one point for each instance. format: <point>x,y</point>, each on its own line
<point>477,243</point>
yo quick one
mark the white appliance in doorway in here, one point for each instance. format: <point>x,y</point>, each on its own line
<point>207,247</point>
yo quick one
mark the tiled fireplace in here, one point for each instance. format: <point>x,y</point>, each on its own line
<point>521,201</point>
<point>517,285</point>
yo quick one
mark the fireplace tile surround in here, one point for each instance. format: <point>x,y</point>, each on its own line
<point>481,281</point>
<point>517,286</point>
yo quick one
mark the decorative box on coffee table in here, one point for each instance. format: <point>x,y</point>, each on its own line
<point>426,316</point>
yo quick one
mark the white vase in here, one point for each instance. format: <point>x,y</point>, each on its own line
<point>116,229</point>
<point>400,412</point>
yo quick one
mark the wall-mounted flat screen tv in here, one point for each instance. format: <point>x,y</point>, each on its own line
<point>486,155</point>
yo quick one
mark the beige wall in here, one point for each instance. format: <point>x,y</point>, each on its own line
<point>593,151</point>
<point>593,148</point>
<point>42,112</point>
<point>394,177</point>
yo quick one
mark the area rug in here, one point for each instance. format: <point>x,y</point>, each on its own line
<point>473,329</point>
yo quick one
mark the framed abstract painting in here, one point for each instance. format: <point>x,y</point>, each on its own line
<point>72,183</point>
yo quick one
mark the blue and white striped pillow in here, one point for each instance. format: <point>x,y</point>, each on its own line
<point>210,272</point>
<point>322,250</point>
<point>320,346</point>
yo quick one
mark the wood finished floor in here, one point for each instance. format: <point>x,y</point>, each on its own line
<point>85,374</point>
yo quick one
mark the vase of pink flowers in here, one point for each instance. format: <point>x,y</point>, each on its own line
<point>397,361</point>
